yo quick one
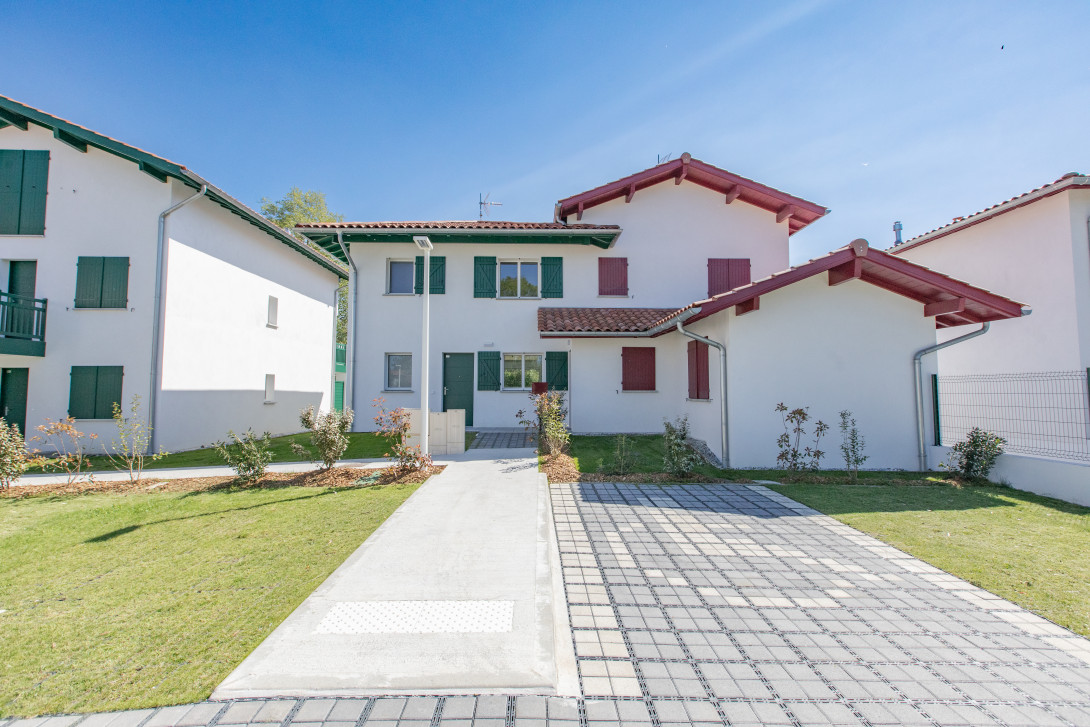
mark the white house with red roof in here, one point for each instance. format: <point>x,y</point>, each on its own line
<point>624,300</point>
<point>127,274</point>
<point>1028,381</point>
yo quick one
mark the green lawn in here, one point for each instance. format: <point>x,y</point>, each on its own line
<point>123,601</point>
<point>1028,549</point>
<point>361,445</point>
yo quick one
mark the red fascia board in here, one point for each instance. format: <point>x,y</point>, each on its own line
<point>983,216</point>
<point>703,174</point>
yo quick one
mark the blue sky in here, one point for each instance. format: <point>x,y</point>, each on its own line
<point>916,111</point>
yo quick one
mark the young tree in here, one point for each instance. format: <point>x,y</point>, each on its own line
<point>298,207</point>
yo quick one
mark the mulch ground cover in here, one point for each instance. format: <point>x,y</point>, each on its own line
<point>338,477</point>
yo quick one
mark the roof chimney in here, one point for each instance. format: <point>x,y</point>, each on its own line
<point>897,227</point>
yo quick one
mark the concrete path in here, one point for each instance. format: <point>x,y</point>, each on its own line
<point>454,593</point>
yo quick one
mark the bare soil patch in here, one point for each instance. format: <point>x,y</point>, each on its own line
<point>562,468</point>
<point>339,477</point>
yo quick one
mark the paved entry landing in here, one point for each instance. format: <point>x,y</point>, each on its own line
<point>454,593</point>
<point>507,438</point>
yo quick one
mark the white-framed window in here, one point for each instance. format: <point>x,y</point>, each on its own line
<point>274,311</point>
<point>399,371</point>
<point>400,277</point>
<point>522,369</point>
<point>270,388</point>
<point>520,279</point>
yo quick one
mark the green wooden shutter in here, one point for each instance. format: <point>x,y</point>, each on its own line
<point>11,190</point>
<point>552,277</point>
<point>32,206</point>
<point>438,280</point>
<point>89,282</point>
<point>115,282</point>
<point>108,390</point>
<point>484,278</point>
<point>488,370</point>
<point>338,395</point>
<point>81,394</point>
<point>556,370</point>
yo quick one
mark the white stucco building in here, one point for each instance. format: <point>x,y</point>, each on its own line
<point>129,274</point>
<point>590,303</point>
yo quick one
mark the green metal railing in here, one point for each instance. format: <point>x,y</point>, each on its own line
<point>22,317</point>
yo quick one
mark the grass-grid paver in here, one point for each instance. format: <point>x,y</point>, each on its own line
<point>732,604</point>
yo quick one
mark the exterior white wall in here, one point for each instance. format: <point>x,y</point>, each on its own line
<point>1068,481</point>
<point>98,205</point>
<point>669,232</point>
<point>217,348</point>
<point>829,348</point>
<point>1037,255</point>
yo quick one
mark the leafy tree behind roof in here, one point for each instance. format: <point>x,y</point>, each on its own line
<point>298,207</point>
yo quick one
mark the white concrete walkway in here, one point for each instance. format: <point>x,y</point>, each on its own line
<point>458,592</point>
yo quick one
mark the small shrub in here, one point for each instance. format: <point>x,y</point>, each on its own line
<point>975,457</point>
<point>129,451</point>
<point>793,456</point>
<point>14,455</point>
<point>328,434</point>
<point>680,459</point>
<point>851,445</point>
<point>549,422</point>
<point>247,455</point>
<point>625,459</point>
<point>393,425</point>
<point>67,445</point>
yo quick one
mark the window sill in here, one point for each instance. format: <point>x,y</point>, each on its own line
<point>15,234</point>
<point>639,391</point>
<point>92,419</point>
<point>272,326</point>
<point>706,401</point>
<point>616,295</point>
<point>87,307</point>
<point>269,402</point>
<point>399,391</point>
<point>398,295</point>
<point>500,297</point>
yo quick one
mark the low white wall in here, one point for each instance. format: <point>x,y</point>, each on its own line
<point>1068,481</point>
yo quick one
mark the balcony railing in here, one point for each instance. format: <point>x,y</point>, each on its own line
<point>22,325</point>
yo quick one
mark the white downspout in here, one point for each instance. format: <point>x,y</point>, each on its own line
<point>350,344</point>
<point>156,321</point>
<point>918,374</point>
<point>723,421</point>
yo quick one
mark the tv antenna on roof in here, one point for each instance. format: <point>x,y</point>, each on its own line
<point>484,204</point>
<point>662,158</point>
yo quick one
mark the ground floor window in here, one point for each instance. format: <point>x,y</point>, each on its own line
<point>399,371</point>
<point>93,391</point>
<point>521,369</point>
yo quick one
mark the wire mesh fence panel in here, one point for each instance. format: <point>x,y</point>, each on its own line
<point>1044,414</point>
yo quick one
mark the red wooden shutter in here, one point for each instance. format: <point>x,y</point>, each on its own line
<point>727,274</point>
<point>637,369</point>
<point>698,371</point>
<point>612,276</point>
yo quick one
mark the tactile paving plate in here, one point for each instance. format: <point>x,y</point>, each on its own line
<point>418,617</point>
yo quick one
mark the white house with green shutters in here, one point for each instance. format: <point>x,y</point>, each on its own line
<point>124,273</point>
<point>601,301</point>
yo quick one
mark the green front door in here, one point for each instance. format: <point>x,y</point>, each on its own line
<point>13,394</point>
<point>458,383</point>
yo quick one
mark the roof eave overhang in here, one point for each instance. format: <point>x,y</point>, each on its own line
<point>1077,182</point>
<point>798,212</point>
<point>664,326</point>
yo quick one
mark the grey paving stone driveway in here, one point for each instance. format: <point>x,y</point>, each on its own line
<point>729,604</point>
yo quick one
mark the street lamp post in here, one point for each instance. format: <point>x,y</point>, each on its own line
<point>424,243</point>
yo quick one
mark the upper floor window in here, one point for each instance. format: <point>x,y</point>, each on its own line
<point>23,178</point>
<point>102,282</point>
<point>400,277</point>
<point>613,276</point>
<point>519,279</point>
<point>726,274</point>
<point>274,311</point>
